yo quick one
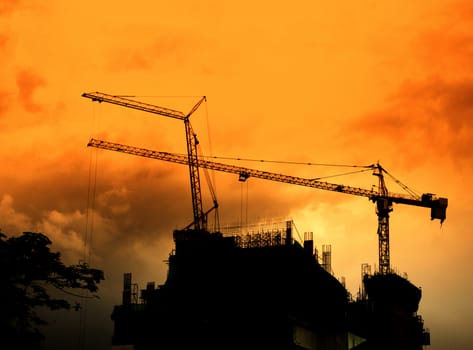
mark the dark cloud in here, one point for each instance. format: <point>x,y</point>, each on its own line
<point>429,117</point>
<point>422,120</point>
<point>129,201</point>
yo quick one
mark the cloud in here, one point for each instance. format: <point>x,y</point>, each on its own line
<point>126,203</point>
<point>115,200</point>
<point>422,120</point>
<point>428,117</point>
<point>64,231</point>
<point>62,228</point>
<point>27,82</point>
<point>131,200</point>
<point>12,220</point>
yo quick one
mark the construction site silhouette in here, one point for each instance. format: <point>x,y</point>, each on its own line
<point>269,294</point>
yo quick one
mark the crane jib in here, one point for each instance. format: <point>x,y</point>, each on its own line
<point>438,205</point>
<point>129,103</point>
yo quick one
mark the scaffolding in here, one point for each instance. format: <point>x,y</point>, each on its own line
<point>327,258</point>
<point>130,290</point>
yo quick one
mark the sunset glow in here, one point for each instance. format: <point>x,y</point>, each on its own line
<point>323,82</point>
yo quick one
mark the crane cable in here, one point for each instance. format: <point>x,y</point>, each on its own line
<point>370,167</point>
<point>210,179</point>
<point>88,233</point>
<point>413,194</point>
<point>363,168</point>
<point>342,174</point>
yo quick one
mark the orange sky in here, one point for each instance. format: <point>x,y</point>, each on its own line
<point>331,82</point>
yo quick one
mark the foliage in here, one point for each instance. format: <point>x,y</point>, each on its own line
<point>28,273</point>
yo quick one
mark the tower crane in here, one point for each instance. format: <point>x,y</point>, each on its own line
<point>382,198</point>
<point>200,218</point>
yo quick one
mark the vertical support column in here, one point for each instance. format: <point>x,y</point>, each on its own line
<point>126,296</point>
<point>382,209</point>
<point>327,257</point>
<point>365,271</point>
<point>288,232</point>
<point>192,143</point>
<point>309,242</point>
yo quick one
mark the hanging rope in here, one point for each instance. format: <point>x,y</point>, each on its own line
<point>88,234</point>
<point>244,206</point>
<point>363,168</point>
<point>210,179</point>
<point>404,187</point>
<point>342,174</point>
<point>368,167</point>
<point>246,214</point>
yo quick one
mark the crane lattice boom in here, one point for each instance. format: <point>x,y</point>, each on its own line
<point>191,142</point>
<point>426,200</point>
<point>382,197</point>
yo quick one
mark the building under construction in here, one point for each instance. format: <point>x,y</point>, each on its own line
<point>265,291</point>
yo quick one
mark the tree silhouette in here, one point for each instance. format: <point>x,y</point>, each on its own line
<point>29,271</point>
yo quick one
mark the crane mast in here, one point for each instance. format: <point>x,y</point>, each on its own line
<point>382,198</point>
<point>192,142</point>
<point>383,208</point>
